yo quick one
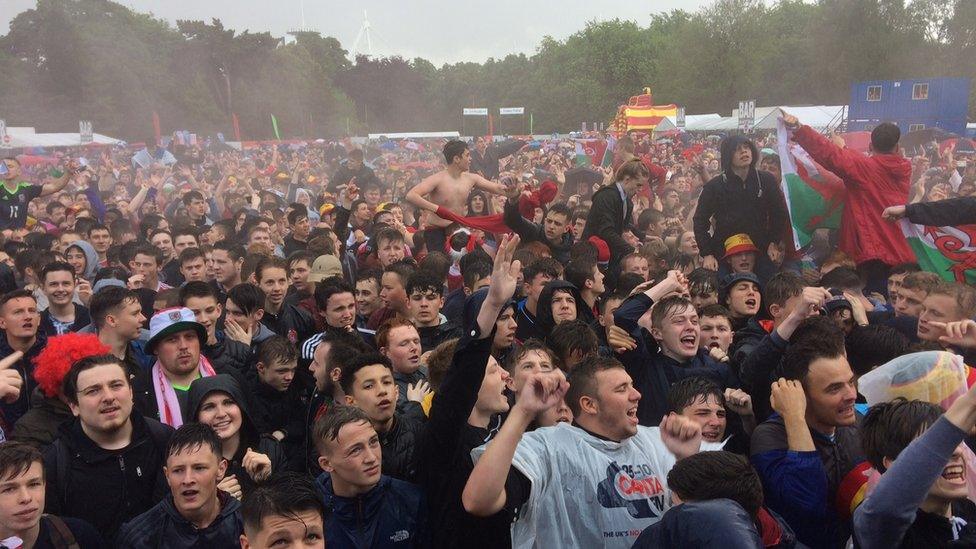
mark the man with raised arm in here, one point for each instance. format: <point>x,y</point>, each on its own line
<point>446,192</point>
<point>595,483</point>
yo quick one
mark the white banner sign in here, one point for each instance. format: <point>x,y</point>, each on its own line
<point>85,131</point>
<point>475,111</point>
<point>512,110</point>
<point>747,114</point>
<point>679,118</point>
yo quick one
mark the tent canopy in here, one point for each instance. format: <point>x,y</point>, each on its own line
<point>28,138</point>
<point>819,117</point>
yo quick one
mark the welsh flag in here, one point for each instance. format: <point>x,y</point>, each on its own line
<point>814,196</point>
<point>590,152</point>
<point>949,252</point>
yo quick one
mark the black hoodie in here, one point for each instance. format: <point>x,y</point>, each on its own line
<point>250,438</point>
<point>754,206</point>
<point>544,322</point>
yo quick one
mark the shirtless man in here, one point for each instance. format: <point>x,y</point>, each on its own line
<point>449,188</point>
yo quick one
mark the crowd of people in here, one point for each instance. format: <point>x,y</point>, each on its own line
<point>430,343</point>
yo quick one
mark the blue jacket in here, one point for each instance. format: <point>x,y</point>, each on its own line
<point>802,486</point>
<point>653,372</point>
<point>393,514</point>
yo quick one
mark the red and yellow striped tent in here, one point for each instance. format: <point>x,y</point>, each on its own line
<point>640,113</point>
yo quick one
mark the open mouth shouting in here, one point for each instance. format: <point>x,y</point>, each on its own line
<point>955,474</point>
<point>689,342</point>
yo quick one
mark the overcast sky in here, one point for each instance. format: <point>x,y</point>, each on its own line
<point>436,30</point>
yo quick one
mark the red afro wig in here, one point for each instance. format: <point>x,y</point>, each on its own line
<point>53,363</point>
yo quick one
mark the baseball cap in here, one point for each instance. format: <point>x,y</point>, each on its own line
<point>732,279</point>
<point>170,321</point>
<point>323,267</point>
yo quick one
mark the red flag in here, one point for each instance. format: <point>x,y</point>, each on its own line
<point>156,130</point>
<point>237,127</point>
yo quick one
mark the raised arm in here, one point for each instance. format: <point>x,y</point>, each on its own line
<point>55,184</point>
<point>416,195</point>
<point>484,494</point>
<point>488,186</point>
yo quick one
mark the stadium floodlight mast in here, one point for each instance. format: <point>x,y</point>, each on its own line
<point>364,32</point>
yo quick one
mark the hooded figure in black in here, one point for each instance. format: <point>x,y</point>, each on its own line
<point>248,435</point>
<point>752,205</point>
<point>544,321</point>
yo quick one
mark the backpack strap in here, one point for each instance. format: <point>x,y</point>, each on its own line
<point>61,535</point>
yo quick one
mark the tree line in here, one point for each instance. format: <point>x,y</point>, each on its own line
<point>97,60</point>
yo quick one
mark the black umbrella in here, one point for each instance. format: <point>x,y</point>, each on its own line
<point>583,175</point>
<point>918,139</point>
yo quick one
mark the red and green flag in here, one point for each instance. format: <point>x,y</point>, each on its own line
<point>949,252</point>
<point>814,196</point>
<point>591,152</point>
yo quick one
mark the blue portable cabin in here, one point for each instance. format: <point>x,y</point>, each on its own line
<point>913,104</point>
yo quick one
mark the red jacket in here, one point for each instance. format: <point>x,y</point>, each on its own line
<point>873,183</point>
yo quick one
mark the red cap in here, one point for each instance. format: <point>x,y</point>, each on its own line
<point>602,250</point>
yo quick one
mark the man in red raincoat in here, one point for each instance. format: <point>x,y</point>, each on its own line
<point>873,183</point>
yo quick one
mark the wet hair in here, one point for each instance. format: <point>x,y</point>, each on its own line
<point>582,380</point>
<point>844,278</point>
<point>269,263</point>
<point>543,265</point>
<point>54,267</point>
<point>403,269</point>
<point>531,344</point>
<point>248,297</point>
<point>572,336</point>
<point>285,494</point>
<point>815,338</point>
<point>329,287</point>
<point>327,427</point>
<point>189,197</point>
<point>69,385</point>
<point>296,215</point>
<point>234,251</point>
<point>922,280</point>
<point>904,268</point>
<point>277,350</point>
<point>891,426</point>
<point>109,300</point>
<point>685,392</point>
<point>437,264</point>
<point>560,208</point>
<point>964,296</point>
<point>387,234</point>
<point>196,289</point>
<point>16,458</point>
<point>578,271</point>
<point>383,334</point>
<point>364,360</point>
<point>192,436</point>
<point>452,149</point>
<point>873,345</point>
<point>439,362</point>
<point>884,137</point>
<point>714,475</point>
<point>191,254</point>
<point>423,282</point>
<point>647,218</point>
<point>628,281</point>
<point>715,310</point>
<point>633,168</point>
<point>781,287</point>
<point>667,306</point>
